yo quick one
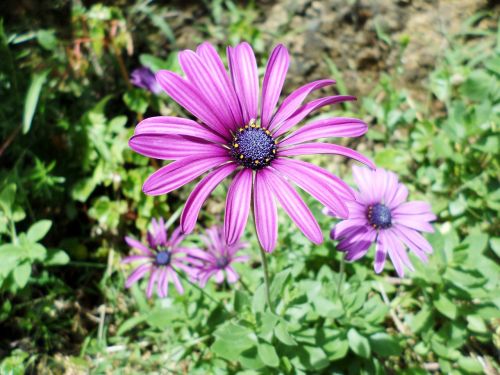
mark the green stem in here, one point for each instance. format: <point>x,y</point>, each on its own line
<point>266,277</point>
<point>341,274</point>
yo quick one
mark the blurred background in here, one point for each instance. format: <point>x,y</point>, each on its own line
<point>426,74</point>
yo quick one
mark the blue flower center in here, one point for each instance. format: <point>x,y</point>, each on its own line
<point>222,262</point>
<point>253,147</point>
<point>379,216</point>
<point>163,258</point>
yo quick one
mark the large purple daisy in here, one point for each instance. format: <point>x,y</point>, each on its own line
<point>381,214</point>
<point>234,138</point>
<point>161,259</point>
<point>219,257</point>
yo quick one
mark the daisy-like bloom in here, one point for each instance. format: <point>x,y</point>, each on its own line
<point>381,215</point>
<point>233,138</point>
<point>160,259</point>
<point>219,257</point>
<point>144,78</point>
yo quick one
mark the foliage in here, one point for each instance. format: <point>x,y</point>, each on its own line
<point>69,181</point>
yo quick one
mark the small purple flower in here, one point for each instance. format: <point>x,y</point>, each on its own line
<point>253,148</point>
<point>161,259</point>
<point>144,77</point>
<point>218,258</point>
<point>381,214</point>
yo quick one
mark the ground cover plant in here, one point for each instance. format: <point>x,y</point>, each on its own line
<point>74,219</point>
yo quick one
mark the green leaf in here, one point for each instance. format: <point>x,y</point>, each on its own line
<point>22,274</point>
<point>471,365</point>
<point>358,343</point>
<point>259,299</point>
<point>281,333</point>
<point>268,355</point>
<point>10,255</point>
<point>38,230</point>
<point>32,97</point>
<point>130,323</point>
<point>476,324</point>
<point>278,283</point>
<point>232,339</point>
<point>7,197</point>
<point>328,309</point>
<point>47,39</point>
<point>136,100</point>
<point>56,257</point>
<point>384,344</point>
<point>336,349</point>
<point>446,307</point>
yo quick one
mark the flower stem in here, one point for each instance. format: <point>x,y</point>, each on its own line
<point>341,274</point>
<point>266,277</point>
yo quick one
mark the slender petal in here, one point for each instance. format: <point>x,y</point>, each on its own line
<point>274,78</point>
<point>210,57</point>
<point>151,283</point>
<point>307,108</point>
<point>167,125</point>
<point>179,173</point>
<point>308,180</point>
<point>232,276</point>
<point>325,148</point>
<point>200,193</point>
<point>266,215</point>
<point>137,274</point>
<point>413,208</point>
<point>198,73</point>
<point>175,279</point>
<point>294,206</point>
<point>326,128</point>
<point>134,258</point>
<point>137,245</point>
<point>380,255</point>
<point>245,78</point>
<point>238,205</point>
<point>293,101</point>
<point>415,223</point>
<point>415,238</point>
<point>188,96</point>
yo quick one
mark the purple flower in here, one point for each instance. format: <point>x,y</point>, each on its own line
<point>381,214</point>
<point>144,77</point>
<point>234,138</point>
<point>161,259</point>
<point>218,258</point>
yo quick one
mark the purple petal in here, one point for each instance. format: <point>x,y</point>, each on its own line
<point>137,245</point>
<point>357,246</point>
<point>415,238</point>
<point>380,255</point>
<point>276,69</point>
<point>167,125</point>
<point>413,242</point>
<point>238,205</point>
<point>294,206</point>
<point>308,180</point>
<point>179,173</point>
<point>325,148</point>
<point>413,208</point>
<point>218,72</point>
<point>204,80</point>
<point>219,276</point>
<point>266,215</point>
<point>295,99</point>
<point>331,127</point>
<point>399,196</point>
<point>188,96</point>
<point>171,147</point>
<point>417,222</point>
<point>364,179</point>
<point>151,283</point>
<point>175,279</point>
<point>393,253</point>
<point>161,283</point>
<point>200,193</point>
<point>138,274</point>
<point>306,109</point>
<point>198,253</point>
<point>349,227</point>
<point>232,276</point>
<point>400,249</point>
<point>245,76</point>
